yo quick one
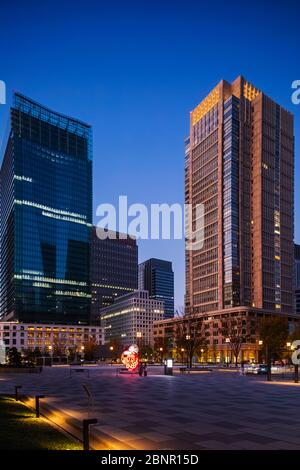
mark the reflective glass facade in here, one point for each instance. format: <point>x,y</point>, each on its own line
<point>114,269</point>
<point>157,277</point>
<point>231,203</point>
<point>46,217</point>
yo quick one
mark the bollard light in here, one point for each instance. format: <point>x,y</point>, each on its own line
<point>86,432</point>
<point>17,388</point>
<point>37,405</point>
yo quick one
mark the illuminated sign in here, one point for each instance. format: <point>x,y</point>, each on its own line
<point>130,357</point>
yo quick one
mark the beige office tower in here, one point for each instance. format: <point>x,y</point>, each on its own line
<point>240,166</point>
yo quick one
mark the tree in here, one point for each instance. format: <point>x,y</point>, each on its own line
<point>145,351</point>
<point>30,356</point>
<point>161,347</point>
<point>90,349</point>
<point>60,345</point>
<point>235,330</point>
<point>273,332</point>
<point>189,335</point>
<point>14,357</point>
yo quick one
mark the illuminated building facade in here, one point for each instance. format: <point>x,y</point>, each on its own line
<point>157,277</point>
<point>240,166</point>
<point>46,217</point>
<point>130,319</point>
<point>47,338</point>
<point>114,269</point>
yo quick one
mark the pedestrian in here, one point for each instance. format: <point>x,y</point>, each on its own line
<point>141,369</point>
<point>145,369</point>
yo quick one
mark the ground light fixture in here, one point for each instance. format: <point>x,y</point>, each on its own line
<point>37,404</point>
<point>17,388</point>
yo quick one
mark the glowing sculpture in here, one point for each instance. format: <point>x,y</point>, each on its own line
<point>130,358</point>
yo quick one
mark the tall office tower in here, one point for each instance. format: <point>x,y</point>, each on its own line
<point>114,269</point>
<point>240,166</point>
<point>157,277</point>
<point>46,217</point>
<point>297,279</point>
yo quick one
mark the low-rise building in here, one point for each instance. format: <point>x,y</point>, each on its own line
<point>48,338</point>
<point>130,319</point>
<point>219,330</point>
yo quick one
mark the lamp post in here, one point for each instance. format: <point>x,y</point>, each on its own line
<point>188,337</point>
<point>111,348</point>
<point>161,350</point>
<point>51,354</point>
<point>227,341</point>
<point>202,351</point>
<point>260,343</point>
<point>82,353</point>
<point>182,351</point>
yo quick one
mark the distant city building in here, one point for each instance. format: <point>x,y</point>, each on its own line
<point>157,277</point>
<point>240,166</point>
<point>130,319</point>
<point>46,217</point>
<point>114,270</point>
<point>297,278</point>
<point>48,338</point>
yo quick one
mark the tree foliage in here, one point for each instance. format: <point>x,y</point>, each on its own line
<point>235,330</point>
<point>273,331</point>
<point>189,335</point>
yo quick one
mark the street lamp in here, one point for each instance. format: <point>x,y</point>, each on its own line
<point>182,351</point>
<point>259,352</point>
<point>111,348</point>
<point>82,353</point>
<point>227,341</point>
<point>161,354</point>
<point>202,351</point>
<point>51,353</point>
<point>288,344</point>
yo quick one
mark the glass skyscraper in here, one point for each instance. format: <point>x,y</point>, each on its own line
<point>46,217</point>
<point>157,277</point>
<point>114,269</point>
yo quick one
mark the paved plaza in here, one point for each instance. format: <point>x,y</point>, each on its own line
<point>211,410</point>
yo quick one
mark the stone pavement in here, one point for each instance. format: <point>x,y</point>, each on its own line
<point>213,410</point>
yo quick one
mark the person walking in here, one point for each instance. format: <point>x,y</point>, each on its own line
<point>145,369</point>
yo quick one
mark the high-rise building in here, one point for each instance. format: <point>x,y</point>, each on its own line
<point>46,217</point>
<point>297,278</point>
<point>157,277</point>
<point>240,166</point>
<point>130,319</point>
<point>114,269</point>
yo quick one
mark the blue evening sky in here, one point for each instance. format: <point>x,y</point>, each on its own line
<point>134,70</point>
